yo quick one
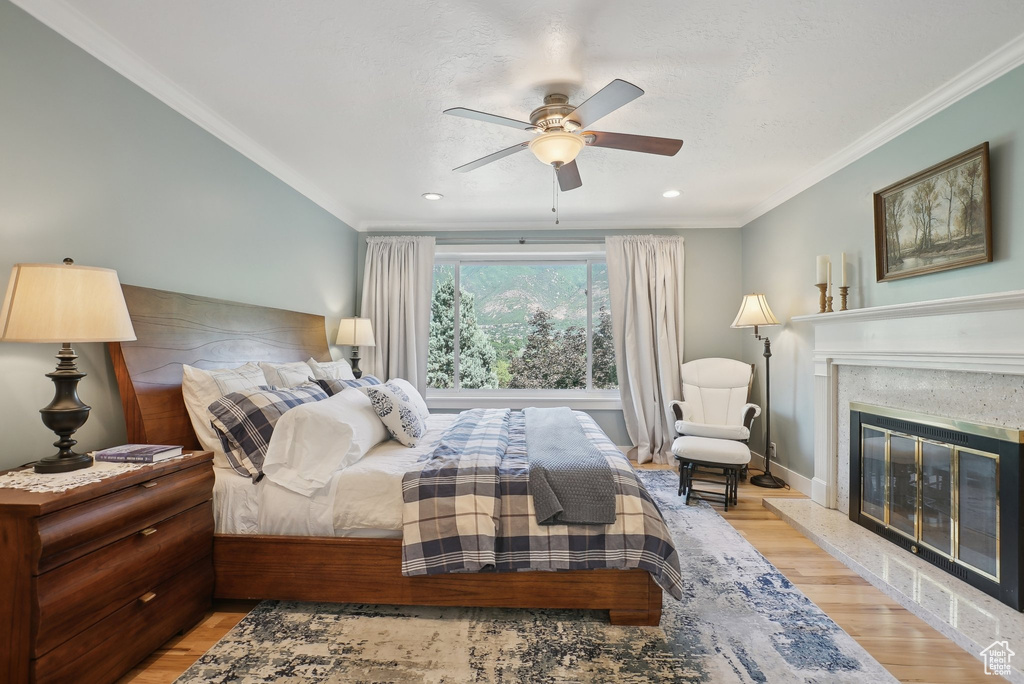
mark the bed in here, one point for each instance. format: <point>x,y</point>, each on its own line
<point>175,329</point>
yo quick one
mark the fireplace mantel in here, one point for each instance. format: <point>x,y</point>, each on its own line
<point>977,333</point>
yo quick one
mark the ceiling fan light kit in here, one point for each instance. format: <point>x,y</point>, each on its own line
<point>557,147</point>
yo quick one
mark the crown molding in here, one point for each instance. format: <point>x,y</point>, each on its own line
<point>1000,62</point>
<point>74,26</point>
<point>548,225</point>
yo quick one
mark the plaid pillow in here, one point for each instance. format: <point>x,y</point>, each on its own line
<point>398,412</point>
<point>245,421</point>
<point>332,386</point>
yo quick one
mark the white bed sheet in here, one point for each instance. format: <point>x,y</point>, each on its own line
<point>235,502</point>
<point>362,500</point>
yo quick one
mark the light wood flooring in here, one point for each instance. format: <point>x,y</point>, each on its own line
<point>910,649</point>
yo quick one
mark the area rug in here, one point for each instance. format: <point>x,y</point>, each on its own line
<point>740,620</point>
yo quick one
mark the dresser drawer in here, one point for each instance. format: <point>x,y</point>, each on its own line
<point>112,646</point>
<point>78,530</point>
<point>79,593</point>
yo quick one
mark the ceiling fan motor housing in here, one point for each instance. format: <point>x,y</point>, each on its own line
<point>552,115</point>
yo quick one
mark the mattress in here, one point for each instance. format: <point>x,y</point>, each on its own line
<point>362,500</point>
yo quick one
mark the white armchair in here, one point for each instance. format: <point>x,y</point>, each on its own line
<point>713,421</point>
<point>715,400</point>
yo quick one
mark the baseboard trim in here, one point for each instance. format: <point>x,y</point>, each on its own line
<point>792,478</point>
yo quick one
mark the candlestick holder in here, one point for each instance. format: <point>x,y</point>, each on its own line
<point>843,292</point>
<point>822,287</point>
<point>828,304</point>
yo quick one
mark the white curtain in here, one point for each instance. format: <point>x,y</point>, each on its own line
<point>645,276</point>
<point>397,283</point>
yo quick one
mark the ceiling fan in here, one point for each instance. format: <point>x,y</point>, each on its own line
<point>560,131</point>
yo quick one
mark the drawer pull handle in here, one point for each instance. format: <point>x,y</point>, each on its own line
<point>148,531</point>
<point>147,597</point>
<point>150,484</point>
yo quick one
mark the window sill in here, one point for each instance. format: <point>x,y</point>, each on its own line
<point>442,399</point>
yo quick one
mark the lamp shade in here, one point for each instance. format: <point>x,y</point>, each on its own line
<point>64,303</point>
<point>356,332</point>
<point>754,311</point>
<point>556,147</point>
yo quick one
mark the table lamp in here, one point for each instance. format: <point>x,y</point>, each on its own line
<point>64,303</point>
<point>356,333</point>
<point>755,313</point>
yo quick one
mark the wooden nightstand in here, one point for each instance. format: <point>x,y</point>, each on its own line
<point>94,579</point>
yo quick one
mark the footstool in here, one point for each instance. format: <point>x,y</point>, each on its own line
<point>730,456</point>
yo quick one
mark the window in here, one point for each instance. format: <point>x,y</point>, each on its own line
<point>521,325</point>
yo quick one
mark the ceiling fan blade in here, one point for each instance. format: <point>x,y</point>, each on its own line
<point>491,157</point>
<point>604,102</point>
<point>635,143</point>
<point>489,118</point>
<point>568,176</point>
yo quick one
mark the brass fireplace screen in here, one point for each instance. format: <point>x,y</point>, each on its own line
<point>946,490</point>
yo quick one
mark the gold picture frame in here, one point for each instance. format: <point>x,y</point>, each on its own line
<point>914,236</point>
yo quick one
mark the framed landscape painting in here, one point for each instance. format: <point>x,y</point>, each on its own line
<point>938,219</point>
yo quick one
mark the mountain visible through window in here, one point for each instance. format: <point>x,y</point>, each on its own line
<point>521,326</point>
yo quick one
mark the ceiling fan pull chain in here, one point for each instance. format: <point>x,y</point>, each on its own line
<point>554,192</point>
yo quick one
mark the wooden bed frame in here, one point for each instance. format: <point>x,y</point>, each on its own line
<point>175,329</point>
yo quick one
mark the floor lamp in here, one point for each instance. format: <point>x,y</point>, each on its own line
<point>755,313</point>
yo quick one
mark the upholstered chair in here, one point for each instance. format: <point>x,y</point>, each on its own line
<point>716,394</point>
<point>713,420</point>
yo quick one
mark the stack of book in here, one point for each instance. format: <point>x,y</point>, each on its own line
<point>137,453</point>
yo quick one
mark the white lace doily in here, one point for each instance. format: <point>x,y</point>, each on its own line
<point>61,482</point>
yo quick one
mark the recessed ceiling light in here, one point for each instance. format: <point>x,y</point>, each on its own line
<point>432,196</point>
<point>670,193</point>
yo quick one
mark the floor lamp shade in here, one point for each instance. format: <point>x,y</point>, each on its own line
<point>64,303</point>
<point>754,312</point>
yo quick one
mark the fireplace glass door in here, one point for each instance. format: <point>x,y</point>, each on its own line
<point>979,512</point>
<point>939,495</point>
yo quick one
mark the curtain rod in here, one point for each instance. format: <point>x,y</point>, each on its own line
<point>521,241</point>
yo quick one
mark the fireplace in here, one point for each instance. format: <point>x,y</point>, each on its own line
<point>948,491</point>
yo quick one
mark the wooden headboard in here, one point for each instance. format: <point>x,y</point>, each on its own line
<point>175,329</point>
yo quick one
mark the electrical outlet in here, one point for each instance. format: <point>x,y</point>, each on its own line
<point>771,451</point>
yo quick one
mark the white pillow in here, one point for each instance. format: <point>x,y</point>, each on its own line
<point>397,411</point>
<point>331,370</point>
<point>313,441</point>
<point>200,388</point>
<point>415,397</point>
<point>285,375</point>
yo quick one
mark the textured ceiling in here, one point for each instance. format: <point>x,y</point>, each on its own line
<point>349,94</point>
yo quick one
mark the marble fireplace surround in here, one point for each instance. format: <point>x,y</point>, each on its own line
<point>958,358</point>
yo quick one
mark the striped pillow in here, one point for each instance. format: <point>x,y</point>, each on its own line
<point>332,386</point>
<point>245,422</point>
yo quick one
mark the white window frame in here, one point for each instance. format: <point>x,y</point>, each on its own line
<point>563,254</point>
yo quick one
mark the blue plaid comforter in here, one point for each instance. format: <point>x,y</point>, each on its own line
<point>468,508</point>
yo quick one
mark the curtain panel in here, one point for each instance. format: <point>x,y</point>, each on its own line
<point>398,281</point>
<point>645,276</point>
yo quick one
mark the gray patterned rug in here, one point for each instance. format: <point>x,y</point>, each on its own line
<point>740,620</point>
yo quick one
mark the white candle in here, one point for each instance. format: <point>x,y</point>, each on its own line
<point>822,268</point>
<point>828,277</point>
<point>844,269</point>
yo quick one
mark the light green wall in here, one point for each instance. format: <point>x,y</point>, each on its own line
<point>836,215</point>
<point>94,168</point>
<point>712,293</point>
